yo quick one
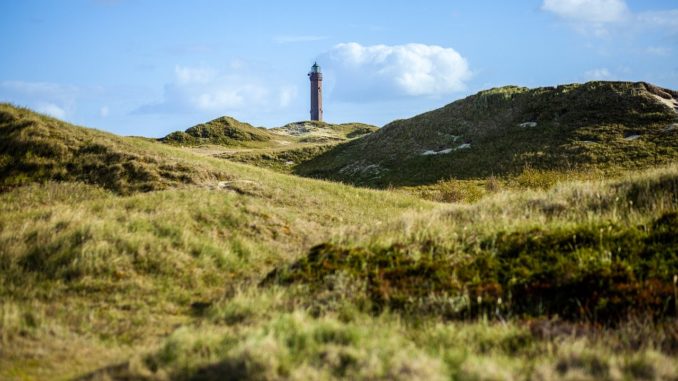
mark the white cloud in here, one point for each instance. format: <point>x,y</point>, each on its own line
<point>667,19</point>
<point>190,75</point>
<point>104,111</point>
<point>589,11</point>
<point>658,51</point>
<point>287,95</point>
<point>40,89</point>
<point>598,17</point>
<point>598,74</point>
<point>204,89</point>
<point>49,98</point>
<point>383,71</point>
<point>51,109</point>
<point>227,96</point>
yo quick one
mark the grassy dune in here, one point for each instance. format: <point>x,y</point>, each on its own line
<point>238,272</point>
<point>229,132</point>
<point>281,149</point>
<point>596,126</point>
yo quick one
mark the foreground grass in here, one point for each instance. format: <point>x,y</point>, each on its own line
<point>265,335</point>
<point>118,274</point>
<point>583,251</point>
<point>84,244</point>
<point>322,323</point>
<point>242,273</point>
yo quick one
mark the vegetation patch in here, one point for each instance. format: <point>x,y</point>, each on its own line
<point>314,131</point>
<point>39,148</point>
<point>222,131</point>
<point>573,128</point>
<point>279,160</point>
<point>600,273</point>
<point>293,346</point>
<point>100,280</point>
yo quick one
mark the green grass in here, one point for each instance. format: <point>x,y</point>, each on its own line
<point>222,131</point>
<point>598,126</point>
<point>280,160</point>
<point>314,131</point>
<point>229,132</point>
<point>280,149</point>
<point>246,273</point>
<point>39,148</point>
<point>274,344</point>
<point>473,190</point>
<point>583,253</point>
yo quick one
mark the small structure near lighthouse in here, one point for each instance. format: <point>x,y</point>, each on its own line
<point>316,77</point>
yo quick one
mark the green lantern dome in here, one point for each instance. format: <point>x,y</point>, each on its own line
<point>315,68</point>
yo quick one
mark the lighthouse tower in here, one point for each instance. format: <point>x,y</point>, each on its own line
<point>316,92</point>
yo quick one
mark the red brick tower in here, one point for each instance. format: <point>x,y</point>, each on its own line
<point>316,92</point>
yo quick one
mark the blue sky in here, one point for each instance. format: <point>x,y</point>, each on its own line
<point>142,67</point>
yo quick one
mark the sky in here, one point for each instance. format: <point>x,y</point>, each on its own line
<point>149,67</point>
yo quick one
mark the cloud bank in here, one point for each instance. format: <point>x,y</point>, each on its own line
<point>48,98</point>
<point>599,17</point>
<point>360,72</point>
<point>598,74</point>
<point>204,89</point>
<point>592,11</point>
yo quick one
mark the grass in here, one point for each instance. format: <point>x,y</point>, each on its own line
<point>314,131</point>
<point>273,344</point>
<point>229,132</point>
<point>69,238</point>
<point>472,190</point>
<point>598,126</point>
<point>246,273</point>
<point>223,131</point>
<point>582,253</point>
<point>280,149</point>
<point>39,148</point>
<point>279,160</point>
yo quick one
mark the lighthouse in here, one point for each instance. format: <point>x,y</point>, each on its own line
<point>316,92</point>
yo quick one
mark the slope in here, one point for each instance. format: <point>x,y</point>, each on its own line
<point>597,125</point>
<point>35,147</point>
<point>109,243</point>
<point>248,274</point>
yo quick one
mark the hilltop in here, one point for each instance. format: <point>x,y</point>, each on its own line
<point>279,148</point>
<point>227,131</point>
<point>221,131</point>
<point>322,132</point>
<point>502,131</point>
<point>38,148</point>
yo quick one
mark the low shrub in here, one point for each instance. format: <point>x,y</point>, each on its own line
<point>599,273</point>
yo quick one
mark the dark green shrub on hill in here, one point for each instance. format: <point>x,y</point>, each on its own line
<point>601,273</point>
<point>222,131</point>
